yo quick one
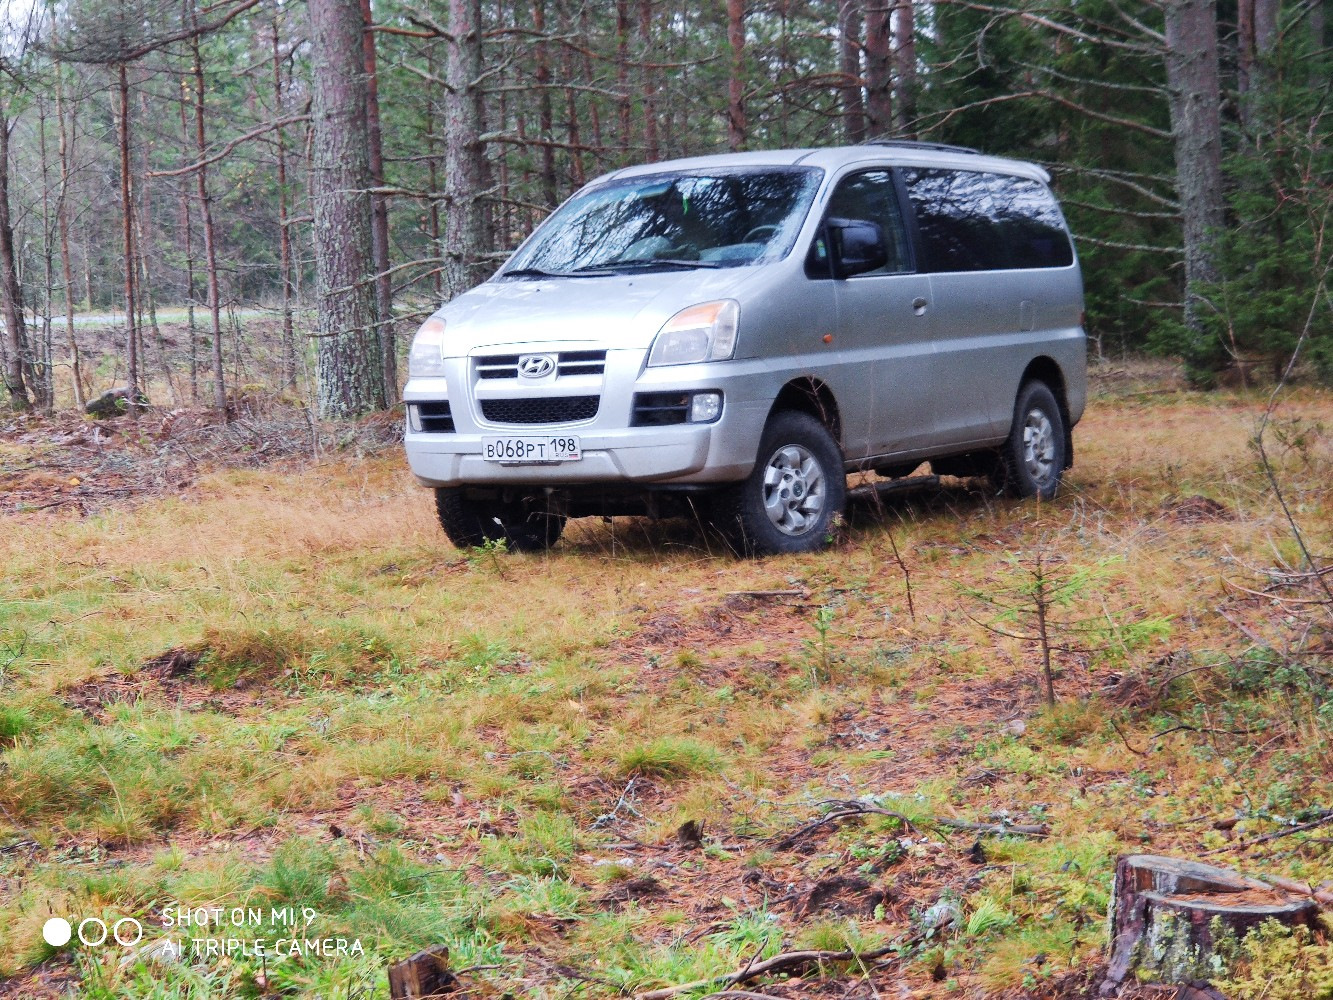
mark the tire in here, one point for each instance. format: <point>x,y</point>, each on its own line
<point>1033,459</point>
<point>526,524</point>
<point>789,501</point>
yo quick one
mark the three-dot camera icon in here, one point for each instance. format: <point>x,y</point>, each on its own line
<point>92,932</point>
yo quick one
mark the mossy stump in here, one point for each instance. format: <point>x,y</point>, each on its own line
<point>1170,917</point>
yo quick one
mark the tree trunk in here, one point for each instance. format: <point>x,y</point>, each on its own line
<point>1256,36</point>
<point>622,72</point>
<point>849,64</point>
<point>736,84</point>
<point>379,207</point>
<point>144,244</point>
<point>1194,98</point>
<point>464,219</point>
<point>879,67</point>
<point>904,63</point>
<point>572,127</point>
<point>349,365</point>
<point>127,239</point>
<point>433,167</point>
<point>545,112</point>
<point>284,229</point>
<point>44,389</point>
<point>648,83</point>
<point>62,218</point>
<point>210,236</point>
<point>1167,914</point>
<point>187,230</point>
<point>11,291</point>
<point>595,119</point>
<point>1244,46</point>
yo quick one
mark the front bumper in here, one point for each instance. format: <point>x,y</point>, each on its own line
<point>614,452</point>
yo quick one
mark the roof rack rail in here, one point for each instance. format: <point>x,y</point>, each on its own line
<point>917,144</point>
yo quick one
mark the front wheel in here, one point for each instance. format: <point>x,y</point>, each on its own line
<point>1033,459</point>
<point>525,524</point>
<point>789,501</point>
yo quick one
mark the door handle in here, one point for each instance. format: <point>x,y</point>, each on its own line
<point>919,305</point>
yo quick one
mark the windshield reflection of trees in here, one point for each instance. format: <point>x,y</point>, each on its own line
<point>722,220</point>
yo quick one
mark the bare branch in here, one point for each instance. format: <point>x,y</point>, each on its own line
<point>221,154</point>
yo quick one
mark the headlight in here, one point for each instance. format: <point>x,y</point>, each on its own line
<point>426,358</point>
<point>704,332</point>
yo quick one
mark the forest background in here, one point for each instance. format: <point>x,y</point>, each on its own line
<point>305,181</point>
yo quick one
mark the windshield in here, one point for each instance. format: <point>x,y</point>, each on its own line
<point>665,221</point>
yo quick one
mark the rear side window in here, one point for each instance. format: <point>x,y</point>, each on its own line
<point>970,221</point>
<point>1033,226</point>
<point>957,220</point>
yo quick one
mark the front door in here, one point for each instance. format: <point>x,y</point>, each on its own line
<point>883,327</point>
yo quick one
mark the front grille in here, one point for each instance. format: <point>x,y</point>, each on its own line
<point>658,409</point>
<point>540,410</point>
<point>567,363</point>
<point>582,363</point>
<point>498,366</point>
<point>436,418</point>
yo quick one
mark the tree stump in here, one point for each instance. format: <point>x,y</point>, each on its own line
<point>425,974</point>
<point>1169,915</point>
<point>114,403</point>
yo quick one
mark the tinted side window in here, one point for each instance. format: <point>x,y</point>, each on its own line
<point>957,220</point>
<point>872,196</point>
<point>1033,226</point>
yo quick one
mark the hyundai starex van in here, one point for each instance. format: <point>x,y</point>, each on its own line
<point>730,336</point>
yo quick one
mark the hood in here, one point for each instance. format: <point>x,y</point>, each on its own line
<point>618,311</point>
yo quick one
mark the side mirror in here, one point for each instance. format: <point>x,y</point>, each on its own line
<point>856,246</point>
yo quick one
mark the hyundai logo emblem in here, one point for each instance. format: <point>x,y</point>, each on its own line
<point>535,365</point>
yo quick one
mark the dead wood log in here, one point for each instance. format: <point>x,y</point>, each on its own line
<point>1168,915</point>
<point>1321,894</point>
<point>790,961</point>
<point>841,809</point>
<point>425,974</point>
<point>998,829</point>
<point>796,962</point>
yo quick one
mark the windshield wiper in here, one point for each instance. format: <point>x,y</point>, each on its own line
<point>611,266</point>
<point>534,272</point>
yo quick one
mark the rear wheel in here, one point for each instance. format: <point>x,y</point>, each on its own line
<point>526,524</point>
<point>789,501</point>
<point>1033,459</point>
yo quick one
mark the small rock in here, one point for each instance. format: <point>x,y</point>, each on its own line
<point>942,914</point>
<point>166,951</point>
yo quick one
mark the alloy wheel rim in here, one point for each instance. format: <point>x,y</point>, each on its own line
<point>794,489</point>
<point>1039,446</point>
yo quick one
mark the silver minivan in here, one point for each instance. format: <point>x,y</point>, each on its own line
<point>730,336</point>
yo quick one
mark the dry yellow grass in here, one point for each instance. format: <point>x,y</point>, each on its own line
<point>517,717</point>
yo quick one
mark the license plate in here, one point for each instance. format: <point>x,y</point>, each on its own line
<point>531,450</point>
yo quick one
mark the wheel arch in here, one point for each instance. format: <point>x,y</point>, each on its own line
<point>1046,370</point>
<point>812,396</point>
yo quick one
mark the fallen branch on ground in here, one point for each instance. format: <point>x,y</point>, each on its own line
<point>848,808</point>
<point>1320,895</point>
<point>789,961</point>
<point>1286,831</point>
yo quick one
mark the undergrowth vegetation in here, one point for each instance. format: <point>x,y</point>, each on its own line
<point>618,766</point>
